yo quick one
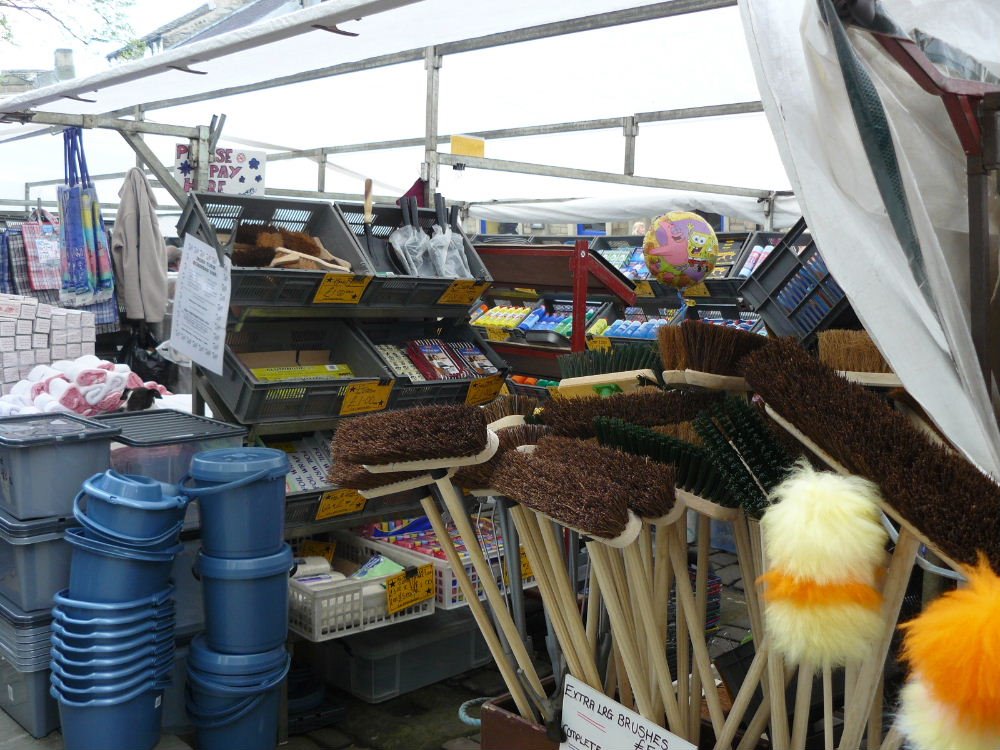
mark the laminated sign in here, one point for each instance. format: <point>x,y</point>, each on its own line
<point>201,305</point>
<point>592,721</point>
<point>409,587</point>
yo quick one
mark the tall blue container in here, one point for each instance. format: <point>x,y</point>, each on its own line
<point>246,601</point>
<point>233,700</point>
<point>241,498</point>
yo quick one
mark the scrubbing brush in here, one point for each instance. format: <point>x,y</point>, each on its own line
<point>251,256</point>
<point>574,417</point>
<point>710,354</point>
<point>622,370</point>
<point>504,406</point>
<point>854,356</point>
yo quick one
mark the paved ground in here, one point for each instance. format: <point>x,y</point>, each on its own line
<point>428,718</point>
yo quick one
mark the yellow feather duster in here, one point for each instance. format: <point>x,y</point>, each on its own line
<point>825,547</point>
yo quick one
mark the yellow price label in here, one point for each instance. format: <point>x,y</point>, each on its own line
<point>482,390</point>
<point>463,292</point>
<point>409,587</point>
<point>599,344</point>
<point>644,289</point>
<point>495,333</point>
<point>341,288</point>
<point>526,571</point>
<point>312,548</point>
<point>339,503</point>
<point>371,395</point>
<point>698,290</point>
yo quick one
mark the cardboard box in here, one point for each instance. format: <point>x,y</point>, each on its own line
<point>40,341</point>
<point>58,337</point>
<point>43,325</point>
<point>88,335</point>
<point>74,319</point>
<point>9,359</point>
<point>22,342</point>
<point>23,327</point>
<point>11,374</point>
<point>26,357</point>
<point>74,350</point>
<point>43,356</point>
<point>88,347</point>
<point>58,352</point>
<point>24,371</point>
<point>10,309</point>
<point>8,328</point>
<point>89,320</point>
<point>58,319</point>
<point>7,344</point>
<point>29,305</point>
<point>43,311</point>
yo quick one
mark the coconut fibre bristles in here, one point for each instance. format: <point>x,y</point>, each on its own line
<point>480,476</point>
<point>506,406</point>
<point>826,547</point>
<point>355,477</point>
<point>574,417</point>
<point>621,359</point>
<point>672,351</point>
<point>851,351</point>
<point>938,492</point>
<point>952,696</point>
<point>426,432</point>
<point>717,348</point>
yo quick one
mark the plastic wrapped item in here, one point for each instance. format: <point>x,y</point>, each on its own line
<point>413,248</point>
<point>457,265</point>
<point>440,246</point>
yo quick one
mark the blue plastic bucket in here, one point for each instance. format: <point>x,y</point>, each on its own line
<point>129,509</point>
<point>227,716</point>
<point>111,682</point>
<point>130,719</point>
<point>236,670</point>
<point>115,612</point>
<point>246,601</point>
<point>107,573</point>
<point>241,498</point>
<point>82,672</point>
<point>100,644</point>
<point>109,627</point>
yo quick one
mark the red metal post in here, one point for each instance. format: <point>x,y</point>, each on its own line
<point>579,267</point>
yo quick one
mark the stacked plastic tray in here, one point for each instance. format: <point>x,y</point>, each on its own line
<point>24,668</point>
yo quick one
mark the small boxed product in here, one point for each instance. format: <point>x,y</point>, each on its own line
<point>10,308</point>
<point>39,340</point>
<point>58,336</point>
<point>28,307</point>
<point>11,374</point>
<point>9,359</point>
<point>473,358</point>
<point>43,325</point>
<point>26,357</point>
<point>8,328</point>
<point>74,350</point>
<point>88,334</point>
<point>74,319</point>
<point>8,344</point>
<point>88,347</point>
<point>433,358</point>
<point>23,327</point>
<point>58,319</point>
<point>87,319</point>
<point>43,356</point>
<point>22,342</point>
<point>44,311</point>
<point>58,352</point>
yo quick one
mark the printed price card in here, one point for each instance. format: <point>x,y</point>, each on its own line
<point>341,288</point>
<point>599,344</point>
<point>482,390</point>
<point>463,292</point>
<point>698,290</point>
<point>409,587</point>
<point>494,333</point>
<point>312,548</point>
<point>339,503</point>
<point>370,395</point>
<point>593,721</point>
<point>644,289</point>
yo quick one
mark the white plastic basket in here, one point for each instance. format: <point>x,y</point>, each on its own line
<point>447,594</point>
<point>345,608</point>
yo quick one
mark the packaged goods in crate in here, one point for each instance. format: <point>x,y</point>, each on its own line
<point>296,370</point>
<point>415,535</point>
<point>363,588</point>
<point>435,361</point>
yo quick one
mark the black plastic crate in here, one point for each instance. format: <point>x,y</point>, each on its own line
<point>408,392</point>
<point>541,392</point>
<point>564,304</point>
<point>215,218</point>
<point>252,401</point>
<point>405,291</point>
<point>793,291</point>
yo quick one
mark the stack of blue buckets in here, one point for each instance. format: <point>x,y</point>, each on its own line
<point>113,628</point>
<point>237,666</point>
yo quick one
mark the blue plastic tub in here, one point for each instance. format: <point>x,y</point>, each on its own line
<point>87,674</point>
<point>89,644</point>
<point>237,670</point>
<point>246,601</point>
<point>125,611</point>
<point>106,573</point>
<point>244,715</point>
<point>128,509</point>
<point>108,627</point>
<point>129,719</point>
<point>241,499</point>
<point>110,683</point>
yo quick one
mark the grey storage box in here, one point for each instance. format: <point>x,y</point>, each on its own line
<point>24,669</point>
<point>382,664</point>
<point>34,560</point>
<point>44,459</point>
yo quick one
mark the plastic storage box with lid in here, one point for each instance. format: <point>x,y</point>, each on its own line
<point>383,664</point>
<point>44,459</point>
<point>215,219</point>
<point>24,668</point>
<point>160,443</point>
<point>270,370</point>
<point>389,288</point>
<point>34,560</point>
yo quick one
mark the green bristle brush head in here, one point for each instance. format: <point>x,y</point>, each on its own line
<point>620,359</point>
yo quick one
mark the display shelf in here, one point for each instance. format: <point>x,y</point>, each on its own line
<point>309,505</point>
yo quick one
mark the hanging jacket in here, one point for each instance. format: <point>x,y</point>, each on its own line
<point>139,252</point>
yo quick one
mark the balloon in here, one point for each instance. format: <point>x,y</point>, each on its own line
<point>680,249</point>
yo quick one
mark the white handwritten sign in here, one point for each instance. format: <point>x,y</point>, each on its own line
<point>233,171</point>
<point>592,721</point>
<point>201,305</point>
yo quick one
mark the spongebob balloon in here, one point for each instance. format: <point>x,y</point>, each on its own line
<point>680,249</point>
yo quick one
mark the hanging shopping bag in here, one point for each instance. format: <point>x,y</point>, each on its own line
<point>87,276</point>
<point>44,251</point>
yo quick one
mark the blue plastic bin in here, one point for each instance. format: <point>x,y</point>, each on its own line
<point>129,510</point>
<point>104,573</point>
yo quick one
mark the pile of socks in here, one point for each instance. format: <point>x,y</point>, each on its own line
<point>87,386</point>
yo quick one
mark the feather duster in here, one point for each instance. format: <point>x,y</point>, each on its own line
<point>952,697</point>
<point>826,549</point>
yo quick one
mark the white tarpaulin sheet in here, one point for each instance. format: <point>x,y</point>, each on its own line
<point>804,94</point>
<point>786,208</point>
